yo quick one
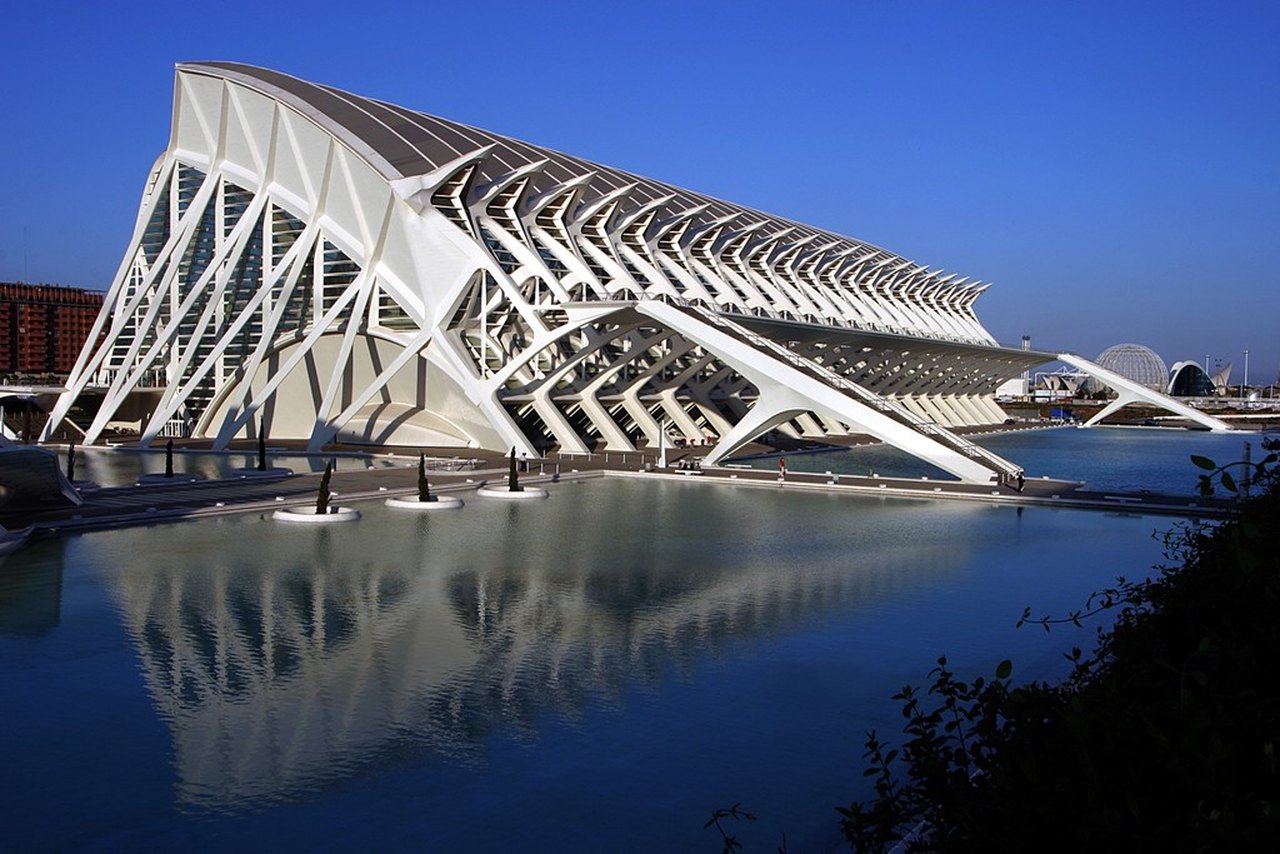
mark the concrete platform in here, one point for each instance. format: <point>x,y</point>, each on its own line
<point>133,505</point>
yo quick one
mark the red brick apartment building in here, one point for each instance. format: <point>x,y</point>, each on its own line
<point>44,327</point>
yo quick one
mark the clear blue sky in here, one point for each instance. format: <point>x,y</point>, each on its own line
<point>1113,167</point>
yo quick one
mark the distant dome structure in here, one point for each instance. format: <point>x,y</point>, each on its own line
<point>1137,363</point>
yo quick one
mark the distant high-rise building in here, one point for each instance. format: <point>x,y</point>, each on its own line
<point>43,328</point>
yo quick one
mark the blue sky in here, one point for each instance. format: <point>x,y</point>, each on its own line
<point>1113,167</point>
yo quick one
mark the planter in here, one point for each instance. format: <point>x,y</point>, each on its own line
<point>236,474</point>
<point>505,494</point>
<point>437,502</point>
<point>308,515</point>
<point>159,479</point>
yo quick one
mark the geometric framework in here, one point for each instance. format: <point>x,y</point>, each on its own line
<point>335,267</point>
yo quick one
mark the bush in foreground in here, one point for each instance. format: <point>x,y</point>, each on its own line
<point>1165,737</point>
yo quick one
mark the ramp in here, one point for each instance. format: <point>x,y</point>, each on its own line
<point>1128,392</point>
<point>791,385</point>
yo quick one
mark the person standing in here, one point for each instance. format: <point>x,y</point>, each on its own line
<point>782,468</point>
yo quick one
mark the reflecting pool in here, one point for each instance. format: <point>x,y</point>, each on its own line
<point>121,466</point>
<point>1121,458</point>
<point>593,672</point>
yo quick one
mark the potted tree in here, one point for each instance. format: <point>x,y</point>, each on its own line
<point>426,499</point>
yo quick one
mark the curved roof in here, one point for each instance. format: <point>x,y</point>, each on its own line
<point>401,143</point>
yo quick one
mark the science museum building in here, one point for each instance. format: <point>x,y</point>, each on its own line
<point>326,267</point>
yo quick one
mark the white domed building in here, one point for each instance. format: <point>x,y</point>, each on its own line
<point>1134,362</point>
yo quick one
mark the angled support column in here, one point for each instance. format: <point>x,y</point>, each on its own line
<point>912,403</point>
<point>987,402</point>
<point>678,416</point>
<point>648,426</point>
<point>931,408</point>
<point>964,405</point>
<point>774,406</point>
<point>614,438</point>
<point>809,427</point>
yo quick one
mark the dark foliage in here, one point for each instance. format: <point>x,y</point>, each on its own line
<point>424,488</point>
<point>322,494</point>
<point>1164,738</point>
<point>513,483</point>
<point>729,843</point>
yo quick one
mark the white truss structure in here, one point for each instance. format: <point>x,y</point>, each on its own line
<point>336,268</point>
<point>1127,392</point>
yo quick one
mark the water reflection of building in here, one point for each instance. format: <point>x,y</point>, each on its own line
<point>282,673</point>
<point>31,590</point>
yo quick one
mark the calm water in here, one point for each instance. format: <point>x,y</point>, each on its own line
<point>597,671</point>
<point>1118,458</point>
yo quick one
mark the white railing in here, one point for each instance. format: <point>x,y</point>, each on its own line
<point>175,428</point>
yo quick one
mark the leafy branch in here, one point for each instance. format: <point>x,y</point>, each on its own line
<point>1253,472</point>
<point>731,842</point>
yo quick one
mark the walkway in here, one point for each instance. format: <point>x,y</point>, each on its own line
<point>137,505</point>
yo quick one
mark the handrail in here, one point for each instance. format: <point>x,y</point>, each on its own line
<point>877,402</point>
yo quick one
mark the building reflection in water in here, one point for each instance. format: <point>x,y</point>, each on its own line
<point>284,661</point>
<point>31,589</point>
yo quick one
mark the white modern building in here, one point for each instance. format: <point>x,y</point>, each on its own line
<point>329,267</point>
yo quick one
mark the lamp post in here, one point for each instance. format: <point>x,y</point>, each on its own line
<point>1245,384</point>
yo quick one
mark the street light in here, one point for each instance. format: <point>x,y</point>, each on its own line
<point>1245,384</point>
